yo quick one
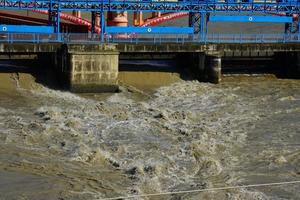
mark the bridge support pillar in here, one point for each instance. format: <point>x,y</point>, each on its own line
<point>213,68</point>
<point>90,68</point>
<point>206,67</point>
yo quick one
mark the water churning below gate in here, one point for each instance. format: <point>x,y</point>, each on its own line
<point>187,135</point>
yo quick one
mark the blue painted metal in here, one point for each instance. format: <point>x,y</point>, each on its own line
<point>57,17</point>
<point>143,30</point>
<point>26,29</point>
<point>272,19</point>
<point>202,8</point>
<point>203,26</point>
<point>102,22</point>
<point>287,6</point>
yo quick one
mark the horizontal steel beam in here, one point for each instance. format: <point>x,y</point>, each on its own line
<point>145,30</point>
<point>26,29</point>
<point>272,19</point>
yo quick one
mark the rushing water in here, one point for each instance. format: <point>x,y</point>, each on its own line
<point>183,136</point>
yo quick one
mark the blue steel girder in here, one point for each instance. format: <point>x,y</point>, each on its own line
<point>292,27</point>
<point>293,6</point>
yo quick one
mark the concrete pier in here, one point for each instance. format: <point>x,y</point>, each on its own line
<point>90,68</point>
<point>205,67</point>
<point>213,68</point>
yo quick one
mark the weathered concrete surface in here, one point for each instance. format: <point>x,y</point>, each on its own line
<point>165,47</point>
<point>171,48</point>
<point>91,68</point>
<point>209,48</point>
<point>213,68</point>
<point>28,47</point>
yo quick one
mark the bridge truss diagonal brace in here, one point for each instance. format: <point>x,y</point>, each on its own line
<point>200,23</point>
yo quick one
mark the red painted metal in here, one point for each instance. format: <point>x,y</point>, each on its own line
<point>164,18</point>
<point>295,16</point>
<point>72,19</point>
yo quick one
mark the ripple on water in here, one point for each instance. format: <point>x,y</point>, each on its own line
<point>188,135</point>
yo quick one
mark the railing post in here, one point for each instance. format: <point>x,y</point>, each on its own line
<point>102,22</point>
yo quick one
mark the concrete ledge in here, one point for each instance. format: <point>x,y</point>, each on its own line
<point>256,47</point>
<point>207,48</point>
<point>29,47</point>
<point>172,48</point>
<point>168,47</point>
<point>88,48</point>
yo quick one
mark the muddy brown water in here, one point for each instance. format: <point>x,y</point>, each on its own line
<point>160,133</point>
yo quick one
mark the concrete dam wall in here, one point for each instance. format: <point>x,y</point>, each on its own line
<point>94,68</point>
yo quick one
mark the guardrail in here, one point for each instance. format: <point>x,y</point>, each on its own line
<point>30,37</point>
<point>147,38</point>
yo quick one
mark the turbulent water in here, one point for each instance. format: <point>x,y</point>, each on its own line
<point>184,136</point>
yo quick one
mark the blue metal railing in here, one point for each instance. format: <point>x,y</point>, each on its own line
<point>147,38</point>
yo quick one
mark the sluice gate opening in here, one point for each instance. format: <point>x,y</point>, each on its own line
<point>277,64</point>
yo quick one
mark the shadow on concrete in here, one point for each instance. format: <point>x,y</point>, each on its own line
<point>159,65</point>
<point>255,66</point>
